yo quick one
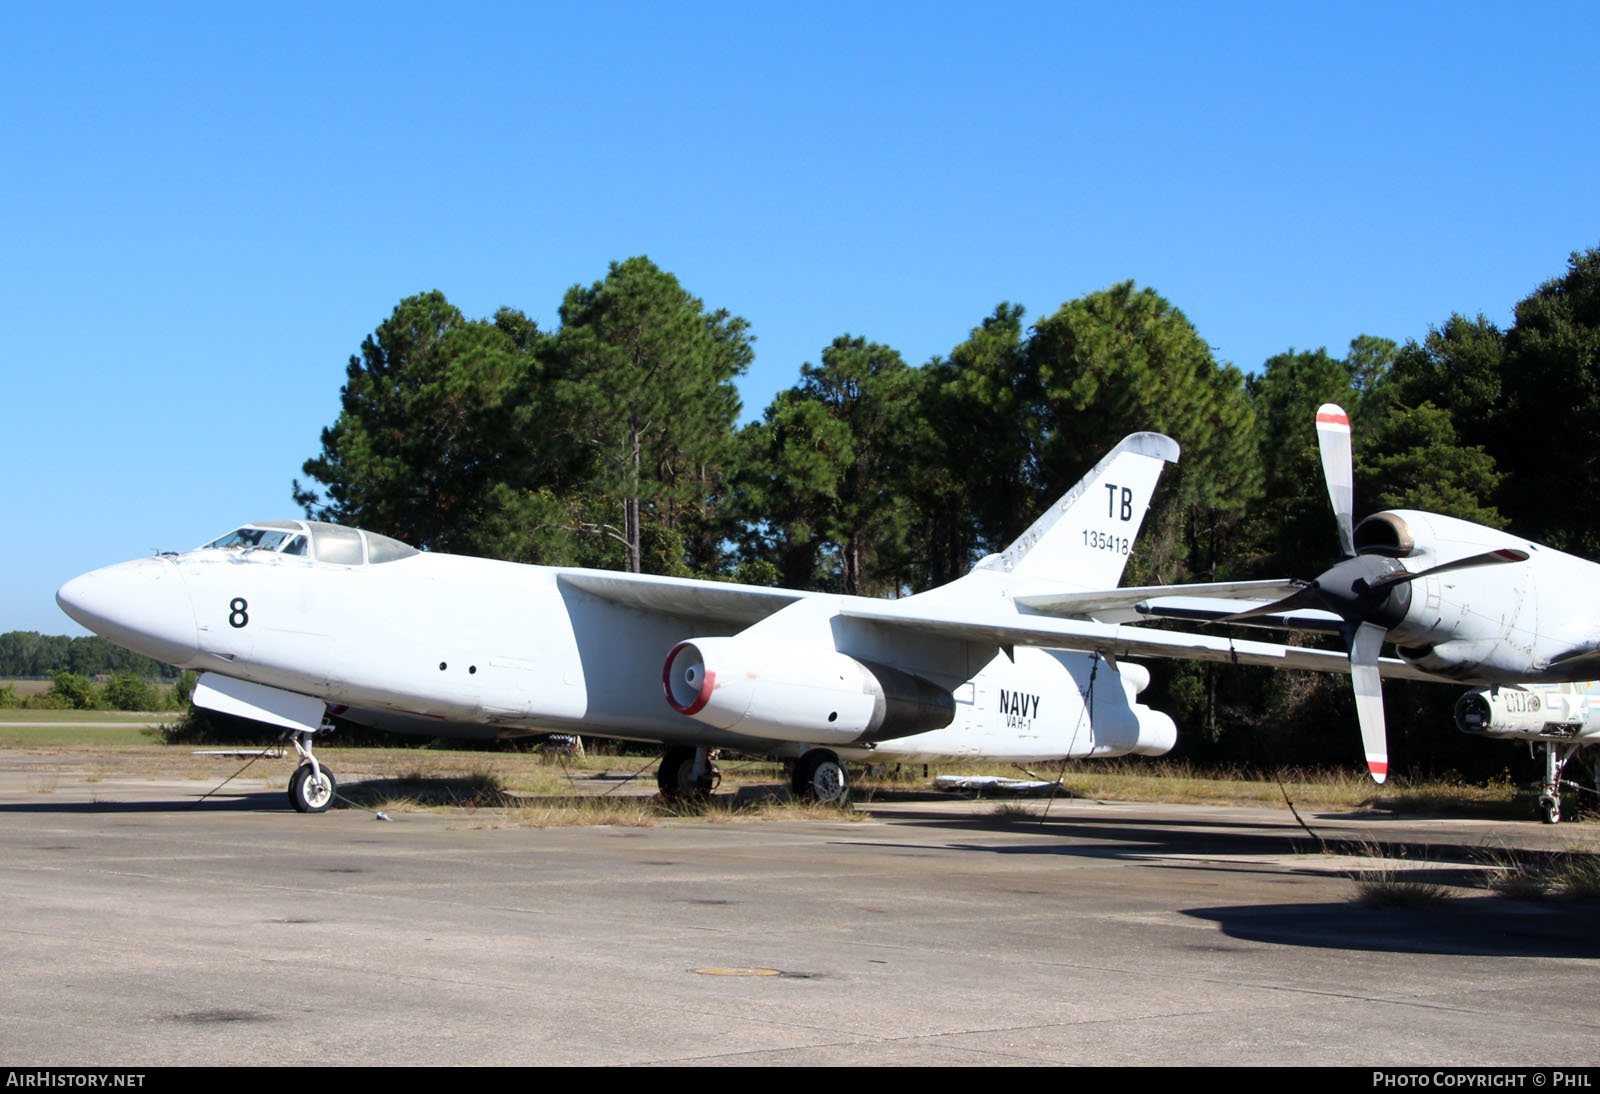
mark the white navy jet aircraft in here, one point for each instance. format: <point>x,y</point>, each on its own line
<point>290,620</point>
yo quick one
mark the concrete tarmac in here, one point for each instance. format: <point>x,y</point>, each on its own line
<point>138,928</point>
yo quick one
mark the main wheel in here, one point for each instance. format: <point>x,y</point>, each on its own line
<point>312,795</point>
<point>820,776</point>
<point>675,777</point>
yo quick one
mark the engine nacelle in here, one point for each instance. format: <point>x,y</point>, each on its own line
<point>1142,730</point>
<point>1539,712</point>
<point>1482,623</point>
<point>1154,734</point>
<point>799,693</point>
<point>1461,659</point>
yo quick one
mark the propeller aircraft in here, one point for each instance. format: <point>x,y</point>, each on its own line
<point>1460,602</point>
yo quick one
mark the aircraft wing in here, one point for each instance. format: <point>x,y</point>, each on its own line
<point>1005,628</point>
<point>684,597</point>
<point>1084,604</point>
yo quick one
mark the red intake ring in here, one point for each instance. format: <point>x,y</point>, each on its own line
<point>685,698</point>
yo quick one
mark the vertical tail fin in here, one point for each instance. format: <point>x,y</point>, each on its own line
<point>1083,540</point>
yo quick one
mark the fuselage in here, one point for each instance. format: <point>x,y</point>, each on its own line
<point>455,646</point>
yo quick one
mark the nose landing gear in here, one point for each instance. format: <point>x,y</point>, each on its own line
<point>312,787</point>
<point>1556,756</point>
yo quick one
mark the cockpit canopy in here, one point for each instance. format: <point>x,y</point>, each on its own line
<point>314,539</point>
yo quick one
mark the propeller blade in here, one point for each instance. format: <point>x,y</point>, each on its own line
<point>1333,439</point>
<point>1488,558</point>
<point>1365,646</point>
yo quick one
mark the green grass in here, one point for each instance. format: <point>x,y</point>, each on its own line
<point>71,717</point>
<point>72,735</point>
<point>24,689</point>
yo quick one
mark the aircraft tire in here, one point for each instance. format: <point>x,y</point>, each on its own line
<point>1550,807</point>
<point>675,776</point>
<point>820,776</point>
<point>310,795</point>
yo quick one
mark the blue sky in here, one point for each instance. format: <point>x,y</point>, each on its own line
<point>208,206</point>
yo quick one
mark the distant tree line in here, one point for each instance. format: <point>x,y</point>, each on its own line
<point>29,654</point>
<point>123,691</point>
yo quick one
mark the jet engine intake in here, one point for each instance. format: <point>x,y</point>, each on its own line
<point>799,693</point>
<point>1527,713</point>
<point>1385,534</point>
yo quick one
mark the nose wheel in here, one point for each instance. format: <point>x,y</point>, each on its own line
<point>312,787</point>
<point>312,790</point>
<point>1555,760</point>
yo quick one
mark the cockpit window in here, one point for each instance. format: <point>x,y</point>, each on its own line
<point>384,549</point>
<point>260,539</point>
<point>338,544</point>
<point>315,539</point>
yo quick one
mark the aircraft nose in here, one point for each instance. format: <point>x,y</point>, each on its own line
<point>143,605</point>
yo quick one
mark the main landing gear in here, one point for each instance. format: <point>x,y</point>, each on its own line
<point>820,776</point>
<point>1556,755</point>
<point>688,773</point>
<point>312,787</point>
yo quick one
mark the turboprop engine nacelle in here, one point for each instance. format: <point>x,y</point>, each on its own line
<point>799,693</point>
<point>1540,712</point>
